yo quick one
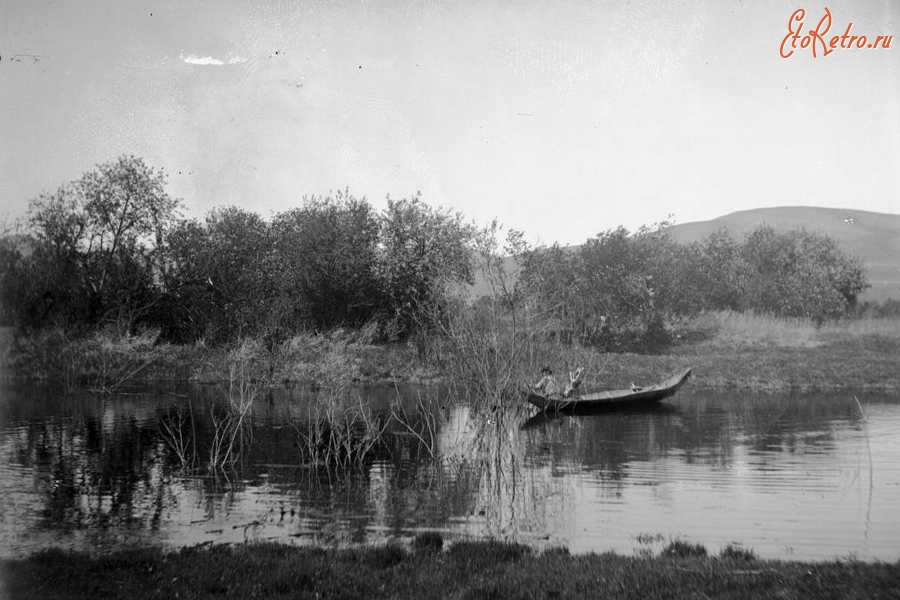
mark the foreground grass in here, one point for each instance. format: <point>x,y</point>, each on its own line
<point>466,570</point>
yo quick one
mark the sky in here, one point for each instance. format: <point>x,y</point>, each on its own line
<point>561,119</point>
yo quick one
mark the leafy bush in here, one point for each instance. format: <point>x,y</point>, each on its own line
<point>422,252</point>
<point>325,257</point>
<point>621,291</point>
<point>219,280</point>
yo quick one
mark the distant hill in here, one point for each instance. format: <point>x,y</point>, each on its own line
<point>873,237</point>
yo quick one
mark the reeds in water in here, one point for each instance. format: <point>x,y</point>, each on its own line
<point>342,431</point>
<point>337,434</point>
<point>178,431</point>
<point>232,431</point>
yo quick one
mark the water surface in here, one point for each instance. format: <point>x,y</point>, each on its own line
<point>790,476</point>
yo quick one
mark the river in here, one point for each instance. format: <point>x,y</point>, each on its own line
<point>802,476</point>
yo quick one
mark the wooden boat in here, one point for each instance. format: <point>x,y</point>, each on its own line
<point>542,417</point>
<point>609,399</point>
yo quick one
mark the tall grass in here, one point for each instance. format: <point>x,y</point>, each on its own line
<point>179,432</point>
<point>342,433</point>
<point>730,328</point>
<point>481,351</point>
<point>340,429</point>
<point>338,435</point>
<point>230,418</point>
<point>104,362</point>
<point>737,329</point>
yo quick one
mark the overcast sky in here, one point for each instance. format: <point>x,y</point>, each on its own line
<point>559,118</point>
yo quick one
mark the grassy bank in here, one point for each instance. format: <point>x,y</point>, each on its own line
<point>759,353</point>
<point>465,570</point>
<point>106,362</point>
<point>727,351</point>
<point>738,351</point>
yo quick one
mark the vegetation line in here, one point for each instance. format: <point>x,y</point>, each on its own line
<point>106,266</point>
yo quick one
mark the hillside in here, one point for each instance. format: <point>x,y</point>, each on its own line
<point>873,237</point>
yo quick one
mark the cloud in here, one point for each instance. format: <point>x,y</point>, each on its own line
<point>210,61</point>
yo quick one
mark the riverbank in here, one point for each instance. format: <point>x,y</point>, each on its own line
<point>106,362</point>
<point>465,570</point>
<point>726,350</point>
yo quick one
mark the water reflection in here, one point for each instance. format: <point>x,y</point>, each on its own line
<point>803,476</point>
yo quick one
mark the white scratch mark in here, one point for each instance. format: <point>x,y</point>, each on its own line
<point>210,61</point>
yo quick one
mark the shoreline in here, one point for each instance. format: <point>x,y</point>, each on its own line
<point>486,569</point>
<point>869,363</point>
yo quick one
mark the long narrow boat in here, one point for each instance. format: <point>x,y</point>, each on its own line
<point>609,399</point>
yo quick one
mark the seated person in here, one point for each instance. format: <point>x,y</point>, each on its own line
<point>574,381</point>
<point>546,385</point>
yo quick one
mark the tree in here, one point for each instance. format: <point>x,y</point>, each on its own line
<point>607,283</point>
<point>16,285</point>
<point>800,274</point>
<point>423,251</point>
<point>326,253</point>
<point>220,277</point>
<point>621,288</point>
<point>549,276</point>
<point>100,242</point>
<point>127,211</point>
<point>721,272</point>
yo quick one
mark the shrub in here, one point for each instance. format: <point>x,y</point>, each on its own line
<point>682,549</point>
<point>737,552</point>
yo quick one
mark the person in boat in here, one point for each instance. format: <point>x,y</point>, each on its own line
<point>548,386</point>
<point>575,378</point>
